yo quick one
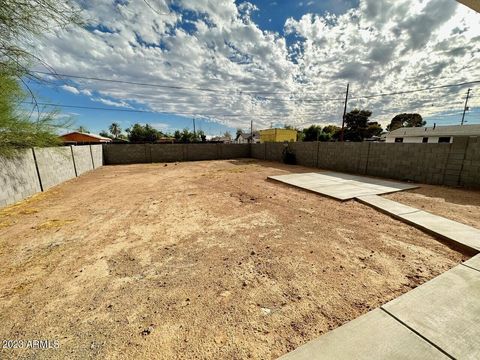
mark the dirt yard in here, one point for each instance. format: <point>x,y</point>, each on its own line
<point>204,260</point>
<point>456,204</point>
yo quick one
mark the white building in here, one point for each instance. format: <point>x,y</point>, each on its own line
<point>435,134</point>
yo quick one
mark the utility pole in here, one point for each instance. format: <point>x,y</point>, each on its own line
<point>466,106</point>
<point>251,131</point>
<point>344,113</point>
<point>194,132</point>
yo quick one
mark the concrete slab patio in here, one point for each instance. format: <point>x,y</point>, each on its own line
<point>341,186</point>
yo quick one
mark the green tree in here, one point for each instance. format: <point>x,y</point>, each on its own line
<point>201,135</point>
<point>228,135</point>
<point>16,128</point>
<point>186,136</point>
<point>140,133</point>
<point>21,20</point>
<point>312,133</point>
<point>83,129</point>
<point>358,127</point>
<point>105,134</point>
<point>115,130</point>
<point>333,131</point>
<point>177,135</point>
<point>406,120</point>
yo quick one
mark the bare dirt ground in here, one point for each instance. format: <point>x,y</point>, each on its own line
<point>204,260</point>
<point>456,204</point>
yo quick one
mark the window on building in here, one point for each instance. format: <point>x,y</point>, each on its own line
<point>398,139</point>
<point>425,140</point>
<point>444,139</point>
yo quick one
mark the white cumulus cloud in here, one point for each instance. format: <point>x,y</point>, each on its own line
<point>296,77</point>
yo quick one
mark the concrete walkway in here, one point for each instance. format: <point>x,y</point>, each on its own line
<point>449,230</point>
<point>438,320</point>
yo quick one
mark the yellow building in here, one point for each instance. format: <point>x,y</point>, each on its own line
<point>278,135</point>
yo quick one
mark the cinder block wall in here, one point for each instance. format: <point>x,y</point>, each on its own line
<point>97,155</point>
<point>147,153</point>
<point>257,151</point>
<point>82,158</point>
<point>55,165</point>
<point>470,174</point>
<point>18,178</point>
<point>233,151</point>
<point>439,164</point>
<point>38,169</point>
<point>426,163</point>
<point>306,153</point>
<point>274,151</point>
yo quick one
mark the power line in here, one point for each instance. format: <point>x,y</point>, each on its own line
<point>176,87</point>
<point>417,90</point>
<point>253,92</point>
<point>160,112</point>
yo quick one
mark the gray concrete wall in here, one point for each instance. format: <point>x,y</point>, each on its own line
<point>97,155</point>
<point>257,151</point>
<point>55,165</point>
<point>115,154</point>
<point>233,151</point>
<point>439,164</point>
<point>18,178</point>
<point>306,153</point>
<point>195,152</point>
<point>470,174</point>
<point>82,158</point>
<point>274,151</point>
<point>167,152</point>
<point>347,157</point>
<point>146,153</point>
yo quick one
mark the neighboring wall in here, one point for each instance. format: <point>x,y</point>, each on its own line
<point>38,169</point>
<point>18,178</point>
<point>441,164</point>
<point>97,155</point>
<point>152,153</point>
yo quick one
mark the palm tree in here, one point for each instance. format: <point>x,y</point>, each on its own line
<point>83,129</point>
<point>115,130</point>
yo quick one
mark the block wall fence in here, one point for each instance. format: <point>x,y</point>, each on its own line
<point>34,170</point>
<point>115,154</point>
<point>455,164</point>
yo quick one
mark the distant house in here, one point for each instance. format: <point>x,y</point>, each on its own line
<point>166,140</point>
<point>221,139</point>
<point>255,139</point>
<point>77,137</point>
<point>434,134</point>
<point>278,135</point>
<point>241,139</point>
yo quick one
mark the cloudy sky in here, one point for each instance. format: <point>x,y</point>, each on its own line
<point>229,62</point>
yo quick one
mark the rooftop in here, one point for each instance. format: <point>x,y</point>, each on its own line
<point>87,134</point>
<point>451,130</point>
